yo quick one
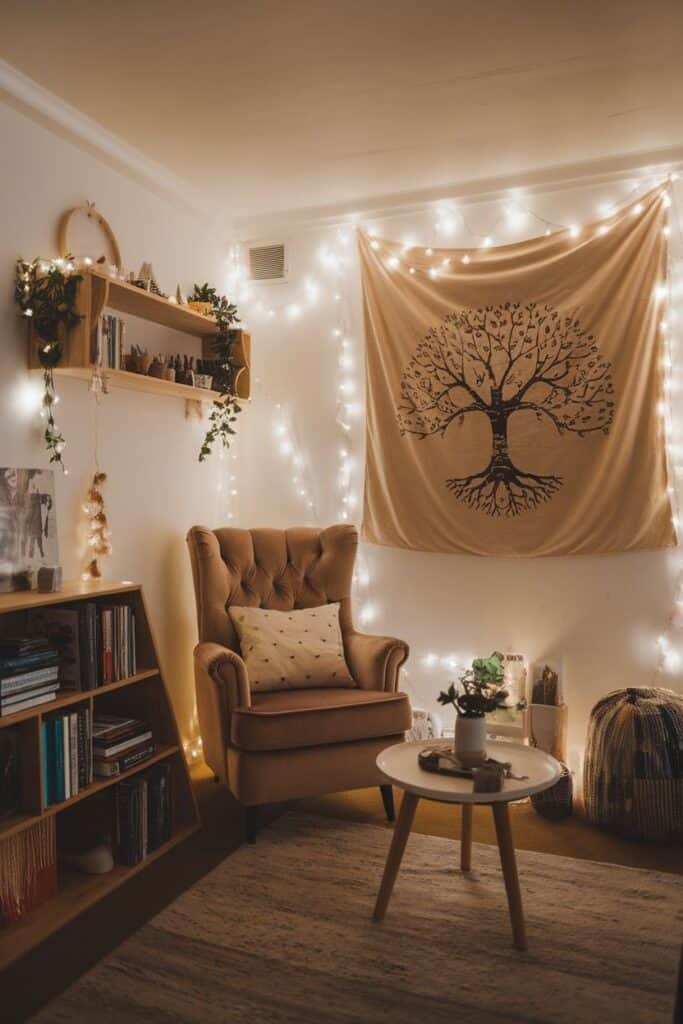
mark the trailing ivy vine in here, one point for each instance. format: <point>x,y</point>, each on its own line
<point>46,292</point>
<point>224,410</point>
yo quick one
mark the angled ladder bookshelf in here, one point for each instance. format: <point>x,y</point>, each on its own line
<point>142,695</point>
<point>98,291</point>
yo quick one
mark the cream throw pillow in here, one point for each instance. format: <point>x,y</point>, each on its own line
<point>292,650</point>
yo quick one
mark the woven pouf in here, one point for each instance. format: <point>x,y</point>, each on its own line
<point>555,803</point>
<point>633,768</point>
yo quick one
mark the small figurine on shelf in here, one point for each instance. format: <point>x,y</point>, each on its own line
<point>158,367</point>
<point>184,373</point>
<point>180,296</point>
<point>147,282</point>
<point>139,360</point>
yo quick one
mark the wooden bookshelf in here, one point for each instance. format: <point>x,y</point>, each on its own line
<point>142,695</point>
<point>98,291</point>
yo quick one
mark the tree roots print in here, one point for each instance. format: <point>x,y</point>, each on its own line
<point>495,362</point>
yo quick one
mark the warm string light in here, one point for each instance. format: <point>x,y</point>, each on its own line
<point>97,540</point>
<point>405,258</point>
<point>288,447</point>
<point>193,750</point>
<point>348,407</point>
<point>226,484</point>
<point>335,263</point>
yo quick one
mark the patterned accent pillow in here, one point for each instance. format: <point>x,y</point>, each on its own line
<point>293,650</point>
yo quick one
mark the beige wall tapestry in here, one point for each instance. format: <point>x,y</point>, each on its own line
<point>512,392</point>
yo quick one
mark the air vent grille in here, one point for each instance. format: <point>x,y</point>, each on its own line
<point>267,262</point>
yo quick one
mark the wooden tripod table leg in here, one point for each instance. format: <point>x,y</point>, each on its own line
<point>508,863</point>
<point>466,838</point>
<point>395,855</point>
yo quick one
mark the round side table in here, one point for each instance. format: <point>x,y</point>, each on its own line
<point>400,767</point>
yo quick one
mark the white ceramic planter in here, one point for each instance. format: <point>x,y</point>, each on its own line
<point>470,740</point>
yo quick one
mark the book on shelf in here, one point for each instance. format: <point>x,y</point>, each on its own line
<point>142,807</point>
<point>23,696</point>
<point>118,653</point>
<point>109,342</point>
<point>29,672</point>
<point>10,769</point>
<point>27,704</point>
<point>110,767</point>
<point>75,648</point>
<point>119,744</point>
<point>59,625</point>
<point>67,759</point>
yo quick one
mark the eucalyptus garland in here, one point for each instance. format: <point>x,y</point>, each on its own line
<point>225,410</point>
<point>46,291</point>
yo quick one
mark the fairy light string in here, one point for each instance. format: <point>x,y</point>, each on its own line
<point>336,261</point>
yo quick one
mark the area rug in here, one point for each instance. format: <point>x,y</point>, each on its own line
<point>282,932</point>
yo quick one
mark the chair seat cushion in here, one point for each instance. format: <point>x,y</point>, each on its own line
<point>286,719</point>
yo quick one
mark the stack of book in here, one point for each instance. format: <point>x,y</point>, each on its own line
<point>120,744</point>
<point>67,755</point>
<point>143,814</point>
<point>29,671</point>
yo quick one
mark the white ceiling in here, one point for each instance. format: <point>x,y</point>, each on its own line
<point>274,105</point>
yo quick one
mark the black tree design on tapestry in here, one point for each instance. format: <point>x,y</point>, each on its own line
<point>496,362</point>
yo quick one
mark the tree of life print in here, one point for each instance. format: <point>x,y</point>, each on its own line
<point>495,362</point>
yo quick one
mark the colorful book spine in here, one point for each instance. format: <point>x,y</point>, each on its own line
<point>58,767</point>
<point>46,757</point>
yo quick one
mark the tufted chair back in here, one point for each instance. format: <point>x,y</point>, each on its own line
<point>279,569</point>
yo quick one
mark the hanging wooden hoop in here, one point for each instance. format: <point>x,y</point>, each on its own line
<point>88,210</point>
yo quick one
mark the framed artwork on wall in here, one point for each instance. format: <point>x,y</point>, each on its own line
<point>28,526</point>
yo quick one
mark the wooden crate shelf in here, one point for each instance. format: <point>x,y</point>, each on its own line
<point>98,291</point>
<point>141,695</point>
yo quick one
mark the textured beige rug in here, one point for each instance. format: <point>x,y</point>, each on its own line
<point>282,932</point>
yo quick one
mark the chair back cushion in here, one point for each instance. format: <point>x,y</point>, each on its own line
<point>300,649</point>
<point>278,569</point>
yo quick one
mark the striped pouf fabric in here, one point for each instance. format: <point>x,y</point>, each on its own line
<point>633,768</point>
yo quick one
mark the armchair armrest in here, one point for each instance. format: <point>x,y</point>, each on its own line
<point>222,684</point>
<point>374,661</point>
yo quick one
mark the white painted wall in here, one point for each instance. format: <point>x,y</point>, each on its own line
<point>156,488</point>
<point>601,615</point>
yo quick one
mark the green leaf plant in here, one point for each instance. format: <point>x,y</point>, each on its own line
<point>480,689</point>
<point>225,410</point>
<point>46,292</point>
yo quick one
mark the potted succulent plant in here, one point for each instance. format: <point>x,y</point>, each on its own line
<point>479,691</point>
<point>202,299</point>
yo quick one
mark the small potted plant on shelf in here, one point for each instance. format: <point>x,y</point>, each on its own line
<point>202,299</point>
<point>480,690</point>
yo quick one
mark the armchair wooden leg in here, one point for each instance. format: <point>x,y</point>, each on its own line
<point>388,801</point>
<point>250,823</point>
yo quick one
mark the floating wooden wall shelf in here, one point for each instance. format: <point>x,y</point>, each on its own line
<point>142,695</point>
<point>97,291</point>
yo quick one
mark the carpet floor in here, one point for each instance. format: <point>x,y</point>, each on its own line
<point>282,932</point>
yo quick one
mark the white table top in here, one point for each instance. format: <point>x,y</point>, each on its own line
<point>399,764</point>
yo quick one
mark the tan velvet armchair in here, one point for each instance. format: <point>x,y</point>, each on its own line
<point>270,747</point>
